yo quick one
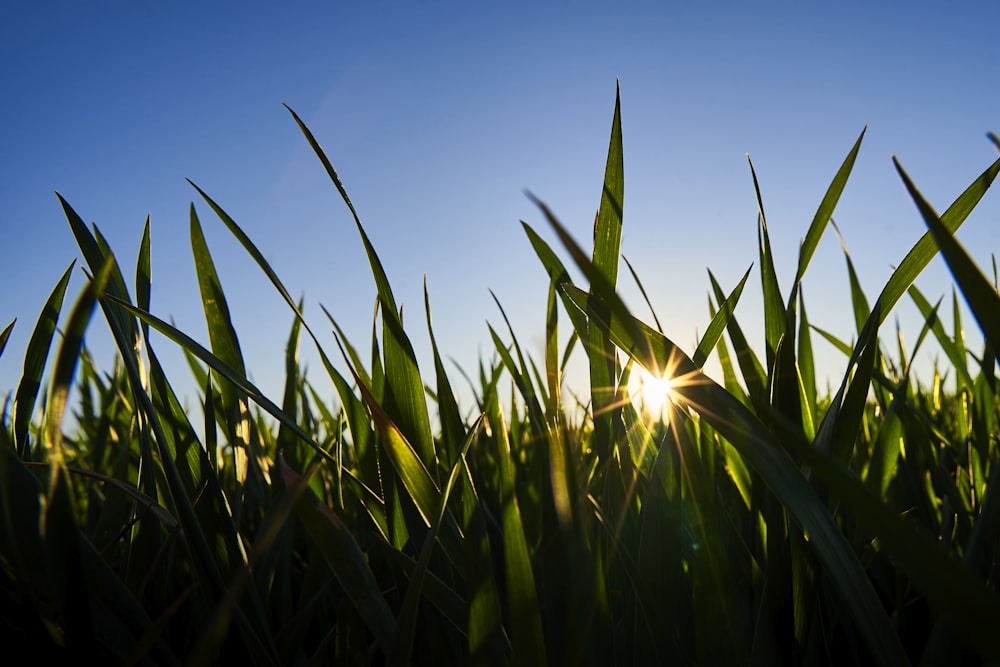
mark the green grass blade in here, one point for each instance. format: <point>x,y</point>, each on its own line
<point>406,626</point>
<point>642,290</point>
<point>775,324</point>
<point>719,323</point>
<point>558,276</point>
<point>35,356</point>
<point>979,293</point>
<point>750,367</point>
<point>825,212</point>
<point>858,300</point>
<point>924,250</point>
<point>5,335</point>
<point>525,618</point>
<point>953,348</point>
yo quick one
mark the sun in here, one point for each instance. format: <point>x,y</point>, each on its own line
<point>650,392</point>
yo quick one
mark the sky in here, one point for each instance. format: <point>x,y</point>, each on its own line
<point>441,117</point>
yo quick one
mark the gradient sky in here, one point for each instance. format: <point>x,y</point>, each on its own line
<point>440,116</point>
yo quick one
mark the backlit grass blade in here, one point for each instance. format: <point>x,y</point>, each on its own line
<point>753,372</point>
<point>642,290</point>
<point>718,324</point>
<point>858,300</point>
<point>774,309</point>
<point>558,276</point>
<point>607,244</point>
<point>525,618</point>
<point>824,213</point>
<point>752,439</point>
<point>924,250</point>
<point>979,293</point>
<point>402,375</point>
<point>34,361</point>
<point>453,431</point>
<point>66,363</point>
<point>143,272</point>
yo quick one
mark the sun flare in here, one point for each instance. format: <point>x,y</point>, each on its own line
<point>650,393</point>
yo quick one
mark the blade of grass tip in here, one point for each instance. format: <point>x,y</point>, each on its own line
<point>858,300</point>
<point>221,332</point>
<point>143,273</point>
<point>522,377</point>
<point>607,246</point>
<point>453,431</point>
<point>824,213</point>
<point>642,290</point>
<point>994,138</point>
<point>924,250</point>
<point>5,335</point>
<point>754,376</point>
<point>406,623</point>
<point>979,294</point>
<point>258,257</point>
<point>774,309</point>
<point>719,322</point>
<point>35,356</point>
<point>527,634</point>
<point>402,374</point>
<point>289,401</point>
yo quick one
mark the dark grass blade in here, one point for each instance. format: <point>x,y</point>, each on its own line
<point>344,556</point>
<point>5,335</point>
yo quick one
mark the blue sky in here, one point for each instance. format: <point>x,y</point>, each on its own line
<point>439,116</point>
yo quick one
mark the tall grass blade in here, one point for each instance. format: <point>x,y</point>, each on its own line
<point>34,362</point>
<point>924,250</point>
<point>402,375</point>
<point>979,293</point>
<point>719,323</point>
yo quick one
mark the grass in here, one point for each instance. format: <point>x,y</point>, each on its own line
<point>758,522</point>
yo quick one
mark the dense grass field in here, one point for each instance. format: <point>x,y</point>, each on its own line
<point>749,521</point>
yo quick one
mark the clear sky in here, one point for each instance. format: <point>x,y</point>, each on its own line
<point>440,115</point>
